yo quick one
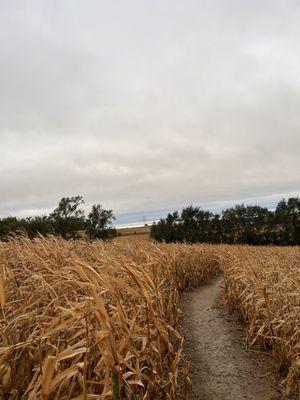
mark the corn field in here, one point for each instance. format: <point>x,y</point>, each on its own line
<point>100,320</point>
<point>94,321</point>
<point>263,284</point>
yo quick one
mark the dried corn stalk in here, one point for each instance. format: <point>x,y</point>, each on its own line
<point>92,320</point>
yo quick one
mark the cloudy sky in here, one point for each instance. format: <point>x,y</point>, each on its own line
<point>148,105</point>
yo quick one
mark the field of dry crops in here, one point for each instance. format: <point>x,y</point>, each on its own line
<point>100,321</point>
<point>263,284</point>
<point>82,320</point>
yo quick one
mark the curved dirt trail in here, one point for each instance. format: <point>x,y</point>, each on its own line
<point>221,369</point>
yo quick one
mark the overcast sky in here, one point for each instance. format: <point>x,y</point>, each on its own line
<point>148,105</point>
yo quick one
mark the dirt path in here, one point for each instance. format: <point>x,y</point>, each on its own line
<point>221,369</point>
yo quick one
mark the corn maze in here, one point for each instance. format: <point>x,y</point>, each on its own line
<point>98,320</point>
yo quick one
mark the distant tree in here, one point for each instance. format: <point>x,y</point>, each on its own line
<point>246,224</point>
<point>9,226</point>
<point>68,217</point>
<point>189,223</point>
<point>256,225</point>
<point>68,207</point>
<point>34,226</point>
<point>253,225</point>
<point>167,230</point>
<point>157,231</point>
<point>214,234</point>
<point>287,219</point>
<point>99,223</point>
<point>196,224</point>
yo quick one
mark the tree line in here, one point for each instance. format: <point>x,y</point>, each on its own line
<point>253,225</point>
<point>67,220</point>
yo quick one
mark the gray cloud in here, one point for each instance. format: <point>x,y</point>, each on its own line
<point>148,105</point>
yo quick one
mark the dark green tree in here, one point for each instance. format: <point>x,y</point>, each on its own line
<point>38,225</point>
<point>99,223</point>
<point>253,225</point>
<point>167,230</point>
<point>68,217</point>
<point>10,226</point>
<point>196,224</point>
<point>287,219</point>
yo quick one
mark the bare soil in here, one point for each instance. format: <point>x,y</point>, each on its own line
<point>221,367</point>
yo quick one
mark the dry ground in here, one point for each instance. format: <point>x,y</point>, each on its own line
<point>136,233</point>
<point>221,367</point>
